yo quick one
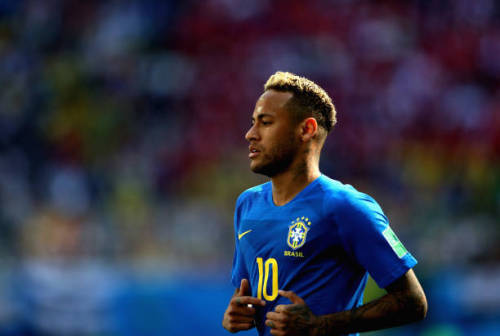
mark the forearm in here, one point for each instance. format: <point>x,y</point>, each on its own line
<point>391,310</point>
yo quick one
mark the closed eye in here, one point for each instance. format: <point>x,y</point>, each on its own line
<point>264,119</point>
<point>265,123</point>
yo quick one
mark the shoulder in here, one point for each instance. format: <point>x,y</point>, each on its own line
<point>251,194</point>
<point>340,196</point>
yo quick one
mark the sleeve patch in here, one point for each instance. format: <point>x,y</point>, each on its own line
<point>395,243</point>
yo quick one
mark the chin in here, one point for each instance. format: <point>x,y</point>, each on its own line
<point>256,168</point>
<point>266,170</point>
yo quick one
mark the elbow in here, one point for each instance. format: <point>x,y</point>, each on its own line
<point>423,310</point>
<point>420,307</point>
<point>410,297</point>
<point>415,307</point>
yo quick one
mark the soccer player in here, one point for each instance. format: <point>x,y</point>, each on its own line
<point>305,243</point>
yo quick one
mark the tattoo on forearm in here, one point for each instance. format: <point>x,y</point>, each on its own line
<point>301,319</point>
<point>390,310</point>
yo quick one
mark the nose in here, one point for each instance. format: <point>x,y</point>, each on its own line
<point>251,134</point>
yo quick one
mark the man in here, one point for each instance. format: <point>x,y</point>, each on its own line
<point>305,243</point>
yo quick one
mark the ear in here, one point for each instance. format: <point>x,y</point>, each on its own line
<point>309,129</point>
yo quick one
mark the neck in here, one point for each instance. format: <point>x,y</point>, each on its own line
<point>288,184</point>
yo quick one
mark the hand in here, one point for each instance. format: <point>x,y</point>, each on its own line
<point>239,315</point>
<point>292,319</point>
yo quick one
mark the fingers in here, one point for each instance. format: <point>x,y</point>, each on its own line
<point>274,322</point>
<point>294,298</point>
<point>241,310</point>
<point>239,326</point>
<point>246,300</point>
<point>281,308</point>
<point>244,288</point>
<point>277,322</point>
<point>239,319</point>
<point>275,325</point>
<point>239,305</point>
<point>244,295</point>
<point>276,317</point>
<point>239,315</point>
<point>276,332</point>
<point>244,325</point>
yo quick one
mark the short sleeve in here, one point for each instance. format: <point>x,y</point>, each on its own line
<point>239,270</point>
<point>368,238</point>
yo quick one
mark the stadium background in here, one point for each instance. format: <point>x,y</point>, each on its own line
<point>122,151</point>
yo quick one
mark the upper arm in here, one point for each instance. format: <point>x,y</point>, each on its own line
<point>366,235</point>
<point>408,282</point>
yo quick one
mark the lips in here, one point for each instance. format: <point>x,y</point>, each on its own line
<point>254,152</point>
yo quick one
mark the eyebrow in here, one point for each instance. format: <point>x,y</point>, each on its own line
<point>260,116</point>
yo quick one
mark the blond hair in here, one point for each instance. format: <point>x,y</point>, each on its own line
<point>309,100</point>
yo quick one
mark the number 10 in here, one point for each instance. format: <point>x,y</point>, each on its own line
<point>264,271</point>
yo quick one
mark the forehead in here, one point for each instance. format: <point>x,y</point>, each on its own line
<point>271,102</point>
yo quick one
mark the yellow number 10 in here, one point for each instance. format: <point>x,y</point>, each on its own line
<point>264,270</point>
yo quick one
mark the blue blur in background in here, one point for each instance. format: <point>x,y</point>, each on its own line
<point>122,151</point>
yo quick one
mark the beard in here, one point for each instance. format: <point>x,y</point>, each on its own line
<point>278,159</point>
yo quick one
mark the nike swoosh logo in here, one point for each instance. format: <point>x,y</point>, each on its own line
<point>242,234</point>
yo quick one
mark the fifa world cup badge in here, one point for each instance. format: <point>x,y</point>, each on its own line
<point>297,232</point>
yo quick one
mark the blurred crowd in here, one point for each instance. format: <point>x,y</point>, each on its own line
<point>122,148</point>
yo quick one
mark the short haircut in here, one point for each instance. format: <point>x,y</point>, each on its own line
<point>309,100</point>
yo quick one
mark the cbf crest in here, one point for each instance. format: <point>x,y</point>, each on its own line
<point>297,232</point>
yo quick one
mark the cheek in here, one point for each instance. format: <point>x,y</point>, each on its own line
<point>287,139</point>
<point>280,134</point>
<point>283,148</point>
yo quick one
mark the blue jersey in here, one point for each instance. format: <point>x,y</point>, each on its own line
<point>321,245</point>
